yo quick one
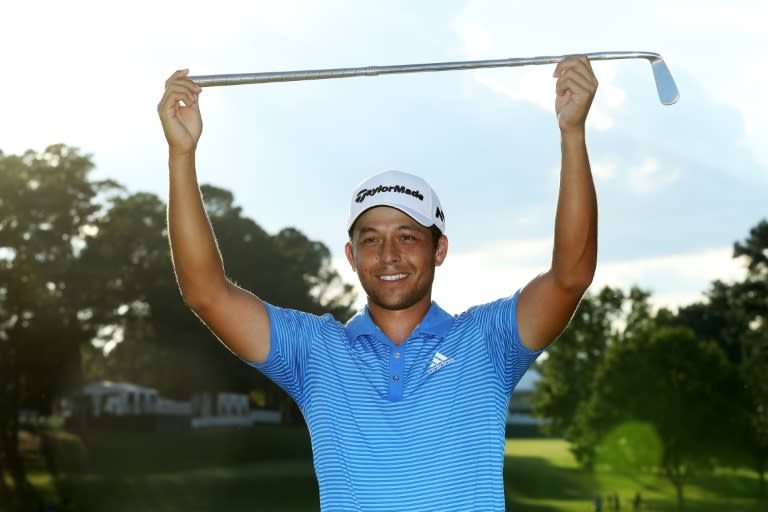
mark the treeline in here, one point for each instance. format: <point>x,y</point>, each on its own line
<point>85,265</point>
<point>677,392</point>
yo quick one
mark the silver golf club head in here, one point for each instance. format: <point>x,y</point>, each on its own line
<point>665,85</point>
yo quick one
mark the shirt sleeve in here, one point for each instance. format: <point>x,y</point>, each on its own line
<point>292,335</point>
<point>508,355</point>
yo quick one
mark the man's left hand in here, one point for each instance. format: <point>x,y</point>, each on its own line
<point>576,87</point>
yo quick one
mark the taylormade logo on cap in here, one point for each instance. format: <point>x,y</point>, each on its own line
<point>362,194</point>
<point>406,192</point>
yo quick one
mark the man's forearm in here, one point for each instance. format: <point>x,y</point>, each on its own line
<point>196,258</point>
<point>575,246</point>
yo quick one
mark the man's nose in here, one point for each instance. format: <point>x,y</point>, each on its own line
<point>389,252</point>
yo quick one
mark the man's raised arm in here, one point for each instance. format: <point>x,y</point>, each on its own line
<point>548,302</point>
<point>237,317</point>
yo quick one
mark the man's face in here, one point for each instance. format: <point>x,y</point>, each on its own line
<point>394,257</point>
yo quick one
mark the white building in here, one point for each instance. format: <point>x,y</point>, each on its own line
<point>110,401</point>
<point>228,410</point>
<point>120,399</point>
<point>520,417</point>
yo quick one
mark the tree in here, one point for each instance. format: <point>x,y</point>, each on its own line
<point>569,368</point>
<point>568,371</point>
<point>680,385</point>
<point>135,309</point>
<point>735,315</point>
<point>163,344</point>
<point>46,204</point>
<point>81,261</point>
<point>750,311</point>
<point>286,269</point>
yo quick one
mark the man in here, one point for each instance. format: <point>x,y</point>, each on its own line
<point>406,404</point>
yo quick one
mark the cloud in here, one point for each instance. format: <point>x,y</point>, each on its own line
<point>715,46</point>
<point>730,67</point>
<point>476,39</point>
<point>535,84</point>
<point>603,170</point>
<point>676,279</point>
<point>650,176</point>
<point>752,102</point>
<point>736,19</point>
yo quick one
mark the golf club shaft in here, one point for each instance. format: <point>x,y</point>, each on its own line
<point>669,94</point>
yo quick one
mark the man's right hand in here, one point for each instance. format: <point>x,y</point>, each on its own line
<point>179,112</point>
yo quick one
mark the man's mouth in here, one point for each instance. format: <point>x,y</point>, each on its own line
<point>393,277</point>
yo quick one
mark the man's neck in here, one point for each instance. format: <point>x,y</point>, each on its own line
<point>399,324</point>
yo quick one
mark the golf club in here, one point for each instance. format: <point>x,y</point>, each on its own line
<point>665,84</point>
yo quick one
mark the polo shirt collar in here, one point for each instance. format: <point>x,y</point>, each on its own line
<point>437,322</point>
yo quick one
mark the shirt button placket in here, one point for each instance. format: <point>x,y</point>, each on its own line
<point>396,374</point>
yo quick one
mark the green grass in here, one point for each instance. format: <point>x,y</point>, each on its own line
<point>541,475</point>
<point>277,485</point>
<point>271,469</point>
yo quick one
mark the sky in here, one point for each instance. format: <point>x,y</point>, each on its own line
<point>677,185</point>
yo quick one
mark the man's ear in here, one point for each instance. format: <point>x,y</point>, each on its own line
<point>442,250</point>
<point>350,255</point>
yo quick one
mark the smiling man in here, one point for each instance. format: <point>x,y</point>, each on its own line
<point>395,228</point>
<point>406,404</point>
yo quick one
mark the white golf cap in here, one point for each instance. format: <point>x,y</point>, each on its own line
<point>406,192</point>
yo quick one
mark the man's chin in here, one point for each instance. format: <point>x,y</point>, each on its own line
<point>394,303</point>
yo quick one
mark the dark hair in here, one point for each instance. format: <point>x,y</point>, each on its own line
<point>436,234</point>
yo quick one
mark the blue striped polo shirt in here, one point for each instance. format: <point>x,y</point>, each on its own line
<point>412,427</point>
